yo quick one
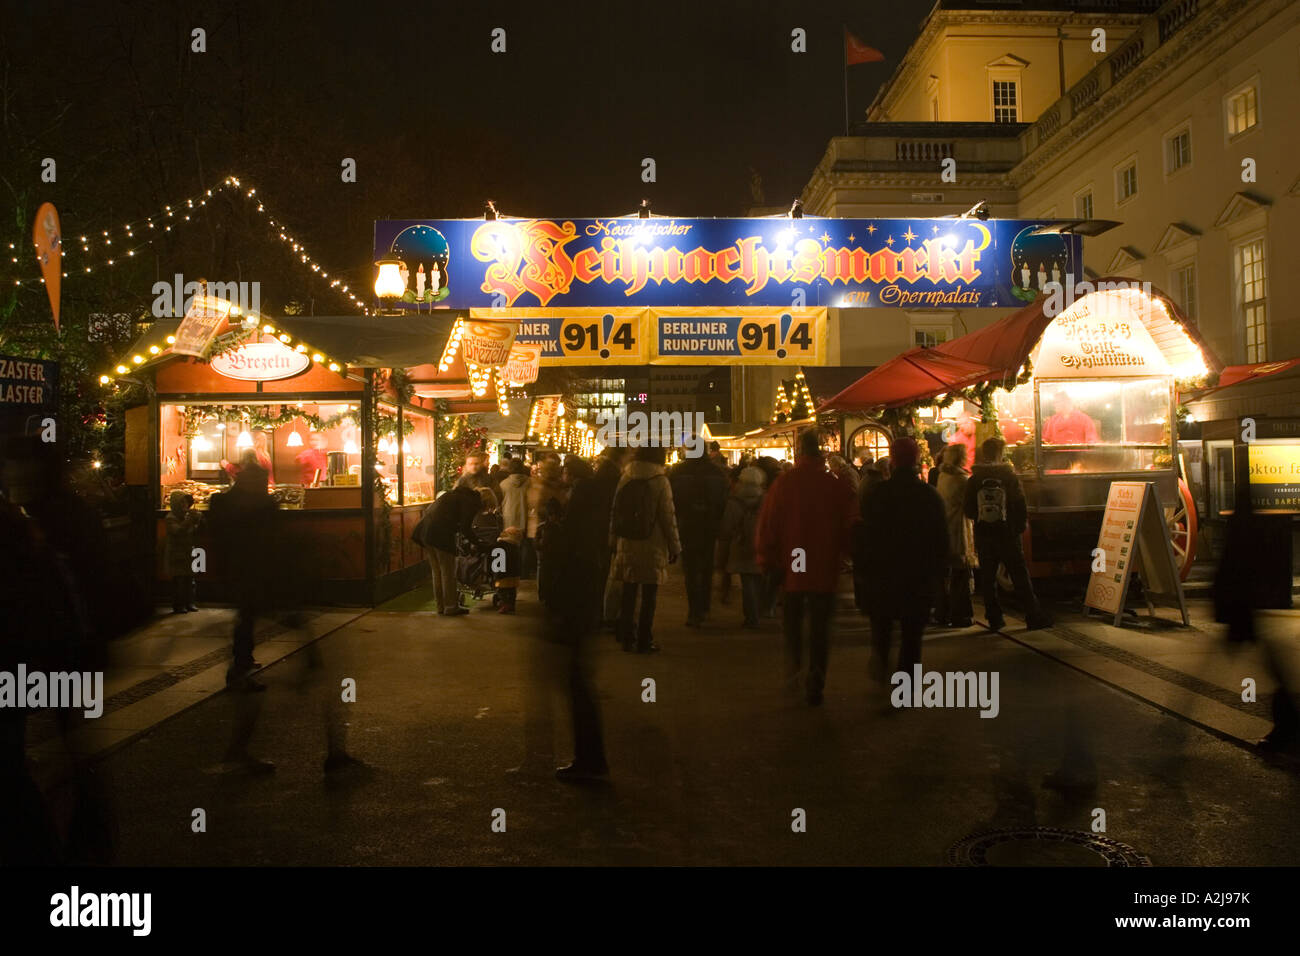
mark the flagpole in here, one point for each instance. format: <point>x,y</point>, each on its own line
<point>844,59</point>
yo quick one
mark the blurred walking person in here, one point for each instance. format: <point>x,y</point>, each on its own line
<point>577,548</point>
<point>737,541</point>
<point>955,605</point>
<point>643,532</point>
<point>245,521</point>
<point>182,522</point>
<point>903,519</point>
<point>1240,589</point>
<point>803,535</point>
<point>699,495</point>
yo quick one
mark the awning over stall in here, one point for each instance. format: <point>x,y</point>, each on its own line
<point>916,374</point>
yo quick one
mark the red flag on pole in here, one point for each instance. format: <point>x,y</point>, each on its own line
<point>855,51</point>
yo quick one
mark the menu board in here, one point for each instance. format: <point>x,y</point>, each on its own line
<point>1134,538</point>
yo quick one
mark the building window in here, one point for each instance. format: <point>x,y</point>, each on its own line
<point>1243,111</point>
<point>1004,102</point>
<point>928,336</point>
<point>1083,205</point>
<point>1126,181</point>
<point>1184,283</point>
<point>1252,292</point>
<point>1178,150</point>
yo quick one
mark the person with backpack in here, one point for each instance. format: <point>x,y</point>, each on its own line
<point>736,539</point>
<point>804,532</point>
<point>699,495</point>
<point>996,503</point>
<point>643,533</point>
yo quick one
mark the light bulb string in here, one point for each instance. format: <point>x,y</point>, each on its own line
<point>230,182</point>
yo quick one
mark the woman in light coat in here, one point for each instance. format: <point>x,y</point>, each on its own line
<point>955,610</point>
<point>544,488</point>
<point>514,497</point>
<point>642,564</point>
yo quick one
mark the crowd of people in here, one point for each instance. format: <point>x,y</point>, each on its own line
<point>778,533</point>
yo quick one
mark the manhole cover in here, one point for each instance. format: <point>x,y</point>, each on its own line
<point>1042,846</point>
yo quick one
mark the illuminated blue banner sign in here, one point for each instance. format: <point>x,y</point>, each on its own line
<point>782,263</point>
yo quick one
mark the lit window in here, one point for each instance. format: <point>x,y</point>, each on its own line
<point>1243,111</point>
<point>1252,292</point>
<point>1004,102</point>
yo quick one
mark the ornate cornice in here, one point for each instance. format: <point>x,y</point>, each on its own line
<point>939,20</point>
<point>1153,68</point>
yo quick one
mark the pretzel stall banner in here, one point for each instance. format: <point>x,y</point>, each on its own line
<point>488,343</point>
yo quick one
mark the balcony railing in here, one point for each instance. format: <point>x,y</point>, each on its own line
<point>1170,17</point>
<point>914,151</point>
<point>1177,17</point>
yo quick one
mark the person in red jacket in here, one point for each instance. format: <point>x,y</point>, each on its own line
<point>804,533</point>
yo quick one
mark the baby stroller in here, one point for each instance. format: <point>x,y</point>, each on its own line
<point>474,575</point>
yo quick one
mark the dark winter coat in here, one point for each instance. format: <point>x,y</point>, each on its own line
<point>453,512</point>
<point>1017,513</point>
<point>699,497</point>
<point>908,535</point>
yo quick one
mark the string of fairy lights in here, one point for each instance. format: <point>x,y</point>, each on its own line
<point>113,246</point>
<point>249,325</point>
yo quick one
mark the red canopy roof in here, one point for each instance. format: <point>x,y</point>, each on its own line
<point>1236,374</point>
<point>918,373</point>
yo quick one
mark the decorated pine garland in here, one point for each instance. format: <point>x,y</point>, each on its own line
<point>263,418</point>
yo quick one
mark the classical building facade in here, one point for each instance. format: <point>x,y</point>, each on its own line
<point>1172,118</point>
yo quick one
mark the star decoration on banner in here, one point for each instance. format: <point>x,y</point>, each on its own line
<point>825,237</point>
<point>871,228</point>
<point>936,230</point>
<point>889,241</point>
<point>852,237</point>
<point>909,235</point>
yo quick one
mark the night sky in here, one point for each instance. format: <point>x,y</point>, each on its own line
<point>556,126</point>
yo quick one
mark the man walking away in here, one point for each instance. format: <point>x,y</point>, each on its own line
<point>903,519</point>
<point>643,530</point>
<point>699,495</point>
<point>244,523</point>
<point>803,535</point>
<point>996,503</point>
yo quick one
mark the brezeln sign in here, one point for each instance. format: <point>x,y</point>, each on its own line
<point>261,362</point>
<point>524,364</point>
<point>488,343</point>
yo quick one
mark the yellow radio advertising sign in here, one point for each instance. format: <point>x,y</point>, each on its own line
<point>670,335</point>
<point>1274,474</point>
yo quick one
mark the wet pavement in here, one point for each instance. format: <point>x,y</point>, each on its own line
<point>458,720</point>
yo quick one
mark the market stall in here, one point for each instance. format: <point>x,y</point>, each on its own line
<point>321,403</point>
<point>1082,398</point>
